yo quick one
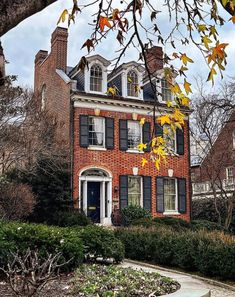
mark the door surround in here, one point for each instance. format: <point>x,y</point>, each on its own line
<point>97,174</point>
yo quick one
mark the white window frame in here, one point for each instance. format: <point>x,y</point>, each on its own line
<point>160,76</point>
<point>87,78</point>
<point>230,168</point>
<point>176,210</point>
<point>233,138</point>
<point>135,150</point>
<point>141,189</point>
<point>97,147</point>
<point>43,97</point>
<point>125,81</point>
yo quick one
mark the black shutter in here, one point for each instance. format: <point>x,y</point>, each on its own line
<point>147,192</point>
<point>147,135</point>
<point>158,130</point>
<point>160,194</point>
<point>123,135</point>
<point>182,195</point>
<point>84,130</point>
<point>109,133</point>
<point>123,190</point>
<point>180,141</point>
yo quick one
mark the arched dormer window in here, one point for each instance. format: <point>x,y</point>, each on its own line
<point>132,84</point>
<point>43,97</point>
<point>96,77</point>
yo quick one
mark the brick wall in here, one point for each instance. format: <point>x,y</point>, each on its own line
<point>119,162</point>
<point>57,91</point>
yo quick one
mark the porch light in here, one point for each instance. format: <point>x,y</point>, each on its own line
<point>135,170</point>
<point>170,172</point>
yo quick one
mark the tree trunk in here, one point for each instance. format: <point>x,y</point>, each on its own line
<point>15,11</point>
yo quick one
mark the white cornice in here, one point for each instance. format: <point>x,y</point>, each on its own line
<point>63,75</point>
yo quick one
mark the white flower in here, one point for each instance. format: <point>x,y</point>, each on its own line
<point>61,241</point>
<point>19,228</point>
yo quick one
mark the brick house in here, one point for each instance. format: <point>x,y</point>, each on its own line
<point>101,133</point>
<point>214,169</point>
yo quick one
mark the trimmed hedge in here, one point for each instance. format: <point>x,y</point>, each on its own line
<point>71,242</point>
<point>131,213</point>
<point>211,253</point>
<point>70,218</point>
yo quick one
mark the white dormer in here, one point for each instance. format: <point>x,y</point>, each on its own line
<point>96,75</point>
<point>132,80</point>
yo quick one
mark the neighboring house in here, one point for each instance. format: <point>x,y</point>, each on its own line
<point>102,132</point>
<point>213,169</point>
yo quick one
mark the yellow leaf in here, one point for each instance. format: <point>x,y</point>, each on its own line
<point>165,119</point>
<point>233,19</point>
<point>206,40</point>
<point>129,79</point>
<point>178,125</point>
<point>142,146</point>
<point>169,104</point>
<point>185,59</point>
<point>175,89</point>
<point>185,101</point>
<point>211,75</point>
<point>142,121</point>
<point>144,162</point>
<point>112,91</point>
<point>202,27</point>
<point>63,16</point>
<point>187,87</point>
<point>178,116</point>
<point>157,164</point>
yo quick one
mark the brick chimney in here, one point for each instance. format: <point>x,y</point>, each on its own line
<point>155,58</point>
<point>40,56</point>
<point>2,65</point>
<point>59,39</point>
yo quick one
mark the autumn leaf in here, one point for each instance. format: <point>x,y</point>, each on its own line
<point>144,162</point>
<point>120,37</point>
<point>142,146</point>
<point>169,104</point>
<point>175,89</point>
<point>178,116</point>
<point>112,91</point>
<point>142,121</point>
<point>201,28</point>
<point>206,40</point>
<point>185,101</point>
<point>63,16</point>
<point>187,87</point>
<point>164,119</point>
<point>88,44</point>
<point>211,75</point>
<point>157,164</point>
<point>185,59</point>
<point>115,14</point>
<point>233,19</point>
<point>104,22</point>
<point>219,50</point>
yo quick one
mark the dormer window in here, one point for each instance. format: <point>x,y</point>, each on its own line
<point>132,84</point>
<point>96,77</point>
<point>165,90</point>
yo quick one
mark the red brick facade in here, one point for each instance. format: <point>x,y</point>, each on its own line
<point>51,72</point>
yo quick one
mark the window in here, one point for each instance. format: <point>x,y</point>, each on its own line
<point>170,199</point>
<point>96,78</point>
<point>134,190</point>
<point>132,84</point>
<point>233,135</point>
<point>170,138</point>
<point>43,97</point>
<point>134,134</point>
<point>166,92</point>
<point>96,131</point>
<point>229,173</point>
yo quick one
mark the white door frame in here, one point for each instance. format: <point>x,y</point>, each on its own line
<point>103,180</point>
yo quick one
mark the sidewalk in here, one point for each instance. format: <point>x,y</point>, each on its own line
<point>187,282</point>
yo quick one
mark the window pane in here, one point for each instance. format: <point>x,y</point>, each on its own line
<point>132,84</point>
<point>134,134</point>
<point>169,194</point>
<point>96,131</point>
<point>134,190</point>
<point>96,78</point>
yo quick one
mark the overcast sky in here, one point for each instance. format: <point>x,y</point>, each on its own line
<point>23,42</point>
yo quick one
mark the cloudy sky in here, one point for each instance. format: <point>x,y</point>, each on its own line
<point>23,42</point>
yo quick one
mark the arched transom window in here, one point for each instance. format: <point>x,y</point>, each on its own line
<point>95,172</point>
<point>132,84</point>
<point>96,78</point>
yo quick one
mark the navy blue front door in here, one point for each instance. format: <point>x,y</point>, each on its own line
<point>93,201</point>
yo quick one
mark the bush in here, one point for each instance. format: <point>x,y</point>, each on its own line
<point>17,201</point>
<point>145,222</point>
<point>133,212</point>
<point>207,225</point>
<point>20,237</point>
<point>211,253</point>
<point>101,242</point>
<point>70,218</point>
<point>176,223</point>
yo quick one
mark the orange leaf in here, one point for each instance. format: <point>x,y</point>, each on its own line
<point>104,21</point>
<point>233,19</point>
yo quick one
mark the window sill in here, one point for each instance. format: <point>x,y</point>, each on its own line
<point>134,152</point>
<point>169,213</point>
<point>93,148</point>
<point>136,98</point>
<point>97,93</point>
